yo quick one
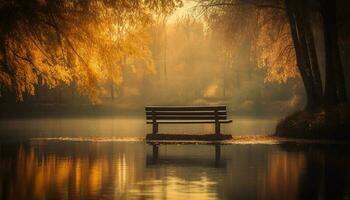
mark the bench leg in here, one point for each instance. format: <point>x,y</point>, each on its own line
<point>217,128</point>
<point>217,154</point>
<point>155,152</point>
<point>155,128</point>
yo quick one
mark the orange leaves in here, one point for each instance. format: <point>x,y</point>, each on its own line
<point>275,48</point>
<point>86,42</point>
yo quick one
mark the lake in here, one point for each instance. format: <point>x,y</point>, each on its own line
<point>122,127</point>
<point>106,158</point>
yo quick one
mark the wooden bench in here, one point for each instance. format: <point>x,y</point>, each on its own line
<point>156,115</point>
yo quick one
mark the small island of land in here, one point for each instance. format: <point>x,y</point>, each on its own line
<point>332,123</point>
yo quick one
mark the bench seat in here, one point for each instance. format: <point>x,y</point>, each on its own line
<point>190,122</point>
<point>216,114</point>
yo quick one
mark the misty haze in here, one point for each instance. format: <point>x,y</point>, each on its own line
<point>174,99</point>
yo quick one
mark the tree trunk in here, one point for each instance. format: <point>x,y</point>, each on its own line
<point>335,91</point>
<point>306,62</point>
<point>299,41</point>
<point>314,62</point>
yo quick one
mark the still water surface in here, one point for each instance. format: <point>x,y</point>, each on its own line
<point>40,164</point>
<point>121,127</point>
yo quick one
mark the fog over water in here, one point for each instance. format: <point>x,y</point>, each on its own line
<point>123,127</point>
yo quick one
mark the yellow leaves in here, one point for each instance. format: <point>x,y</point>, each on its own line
<point>265,31</point>
<point>276,52</point>
<point>50,75</point>
<point>88,43</point>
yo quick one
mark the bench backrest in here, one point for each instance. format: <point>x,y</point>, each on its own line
<point>156,113</point>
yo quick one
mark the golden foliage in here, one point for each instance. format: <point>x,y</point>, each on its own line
<point>264,30</point>
<point>85,42</point>
<point>275,48</point>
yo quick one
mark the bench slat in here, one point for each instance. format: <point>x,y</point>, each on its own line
<point>186,117</point>
<point>184,108</point>
<point>191,122</point>
<point>156,115</point>
<point>185,113</point>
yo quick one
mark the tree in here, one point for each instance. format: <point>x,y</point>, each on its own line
<point>59,42</point>
<point>298,15</point>
<point>285,42</point>
<point>335,91</point>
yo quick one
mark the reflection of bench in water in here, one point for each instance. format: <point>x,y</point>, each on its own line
<point>156,115</point>
<point>155,159</point>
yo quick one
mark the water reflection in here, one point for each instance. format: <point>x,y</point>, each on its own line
<point>134,170</point>
<point>173,160</point>
<point>283,174</point>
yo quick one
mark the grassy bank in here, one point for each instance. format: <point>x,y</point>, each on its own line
<point>331,123</point>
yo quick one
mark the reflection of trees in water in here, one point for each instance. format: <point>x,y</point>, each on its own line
<point>313,172</point>
<point>290,172</point>
<point>283,175</point>
<point>261,172</point>
<point>326,173</point>
<point>93,171</point>
<point>122,170</point>
<point>90,172</point>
